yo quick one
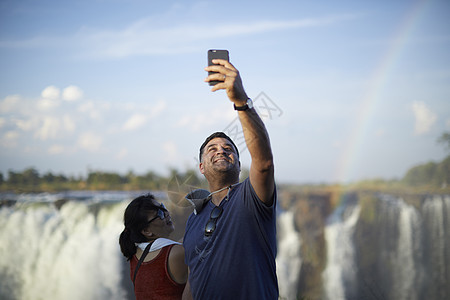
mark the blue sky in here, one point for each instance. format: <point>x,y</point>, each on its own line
<point>349,90</point>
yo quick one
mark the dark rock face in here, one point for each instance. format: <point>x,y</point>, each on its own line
<point>395,248</point>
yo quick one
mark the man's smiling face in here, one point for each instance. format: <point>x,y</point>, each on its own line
<point>219,155</point>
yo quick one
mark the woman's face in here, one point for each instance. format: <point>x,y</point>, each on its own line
<point>160,222</point>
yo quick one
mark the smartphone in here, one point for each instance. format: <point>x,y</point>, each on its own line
<point>213,54</point>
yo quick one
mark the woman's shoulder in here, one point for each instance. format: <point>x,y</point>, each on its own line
<point>177,250</point>
<point>177,267</point>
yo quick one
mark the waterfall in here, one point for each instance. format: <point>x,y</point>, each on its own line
<point>71,253</point>
<point>382,247</point>
<point>340,272</point>
<point>437,223</point>
<point>288,258</point>
<point>406,255</point>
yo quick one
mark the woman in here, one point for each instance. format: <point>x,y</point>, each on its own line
<point>157,265</point>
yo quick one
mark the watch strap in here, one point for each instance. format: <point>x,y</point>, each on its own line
<point>244,107</point>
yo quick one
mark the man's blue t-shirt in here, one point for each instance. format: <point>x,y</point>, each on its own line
<point>238,260</point>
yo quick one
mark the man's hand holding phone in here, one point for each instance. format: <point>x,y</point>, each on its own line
<point>224,76</point>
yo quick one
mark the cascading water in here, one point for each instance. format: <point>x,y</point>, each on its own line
<point>436,211</point>
<point>389,249</point>
<point>340,273</point>
<point>288,259</point>
<point>401,253</point>
<point>406,277</point>
<point>71,253</point>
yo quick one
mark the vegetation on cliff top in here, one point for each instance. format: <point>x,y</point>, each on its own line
<point>431,177</point>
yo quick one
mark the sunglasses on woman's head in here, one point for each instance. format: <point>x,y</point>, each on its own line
<point>160,213</point>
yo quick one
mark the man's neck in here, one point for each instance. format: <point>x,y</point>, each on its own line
<point>217,186</point>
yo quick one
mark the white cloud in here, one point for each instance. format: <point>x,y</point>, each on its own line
<point>9,104</point>
<point>122,153</point>
<point>26,124</point>
<point>51,92</point>
<point>136,121</point>
<point>90,141</point>
<point>49,128</point>
<point>69,124</point>
<point>9,139</point>
<point>141,37</point>
<point>424,117</point>
<point>149,37</point>
<point>56,149</point>
<point>212,118</point>
<point>72,93</point>
<point>158,109</point>
<point>170,151</point>
<point>47,104</point>
<point>91,109</point>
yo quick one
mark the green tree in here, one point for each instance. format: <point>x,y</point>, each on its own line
<point>441,177</point>
<point>421,175</point>
<point>14,178</point>
<point>445,140</point>
<point>31,177</point>
<point>102,180</point>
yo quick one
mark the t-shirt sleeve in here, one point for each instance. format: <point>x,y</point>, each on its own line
<point>253,202</point>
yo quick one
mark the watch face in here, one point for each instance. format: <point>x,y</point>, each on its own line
<point>250,103</point>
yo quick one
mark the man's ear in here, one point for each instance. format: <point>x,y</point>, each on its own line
<point>202,170</point>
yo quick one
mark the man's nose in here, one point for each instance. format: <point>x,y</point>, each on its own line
<point>221,150</point>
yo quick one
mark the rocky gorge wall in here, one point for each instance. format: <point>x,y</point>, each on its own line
<point>368,245</point>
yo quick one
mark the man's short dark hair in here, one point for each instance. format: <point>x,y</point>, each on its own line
<point>213,136</point>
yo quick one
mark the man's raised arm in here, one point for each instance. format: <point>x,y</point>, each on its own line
<point>255,133</point>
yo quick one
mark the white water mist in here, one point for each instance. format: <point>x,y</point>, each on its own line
<point>71,253</point>
<point>340,269</point>
<point>288,259</point>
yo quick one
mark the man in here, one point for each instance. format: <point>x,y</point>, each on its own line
<point>230,244</point>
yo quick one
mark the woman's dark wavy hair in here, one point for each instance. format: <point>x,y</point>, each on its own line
<point>135,220</point>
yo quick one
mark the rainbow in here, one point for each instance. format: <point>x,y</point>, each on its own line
<point>348,162</point>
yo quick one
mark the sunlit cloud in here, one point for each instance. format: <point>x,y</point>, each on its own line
<point>9,103</point>
<point>122,153</point>
<point>46,104</point>
<point>26,124</point>
<point>147,37</point>
<point>136,121</point>
<point>424,118</point>
<point>158,109</point>
<point>68,123</point>
<point>144,38</point>
<point>213,118</point>
<point>72,93</point>
<point>91,109</point>
<point>90,141</point>
<point>56,149</point>
<point>170,152</point>
<point>50,92</point>
<point>48,129</point>
<point>9,139</point>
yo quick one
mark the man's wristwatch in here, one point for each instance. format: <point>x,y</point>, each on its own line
<point>248,105</point>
